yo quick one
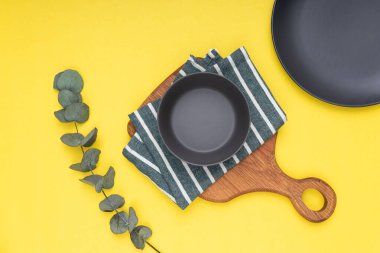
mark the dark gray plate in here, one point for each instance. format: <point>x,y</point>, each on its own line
<point>331,48</point>
<point>203,119</point>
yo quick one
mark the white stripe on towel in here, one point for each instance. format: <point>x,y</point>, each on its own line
<point>223,167</point>
<point>216,66</point>
<point>263,86</point>
<point>183,73</point>
<point>247,148</point>
<point>211,54</point>
<point>196,65</point>
<point>257,134</point>
<point>166,193</point>
<point>235,159</point>
<point>243,83</point>
<point>153,110</point>
<point>212,179</point>
<point>170,169</point>
<point>195,181</point>
<point>138,137</point>
<point>142,159</point>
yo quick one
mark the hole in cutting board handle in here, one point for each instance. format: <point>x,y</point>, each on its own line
<point>313,199</point>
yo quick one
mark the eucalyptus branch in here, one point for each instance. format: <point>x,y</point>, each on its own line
<point>104,193</point>
<point>70,84</point>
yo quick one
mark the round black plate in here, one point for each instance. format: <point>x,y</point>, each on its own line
<point>331,48</point>
<point>203,119</point>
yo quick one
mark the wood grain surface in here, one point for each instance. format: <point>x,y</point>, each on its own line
<point>260,172</point>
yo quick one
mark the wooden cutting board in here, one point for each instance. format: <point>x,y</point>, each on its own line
<point>259,172</point>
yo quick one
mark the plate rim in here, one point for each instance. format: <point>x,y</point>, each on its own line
<point>297,82</point>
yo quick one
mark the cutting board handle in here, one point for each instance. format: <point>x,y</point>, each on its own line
<point>260,173</point>
<point>298,187</point>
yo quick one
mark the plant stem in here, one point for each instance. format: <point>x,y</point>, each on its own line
<point>152,247</point>
<point>106,196</point>
<point>81,147</point>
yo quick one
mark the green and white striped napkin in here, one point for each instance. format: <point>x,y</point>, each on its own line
<point>183,182</point>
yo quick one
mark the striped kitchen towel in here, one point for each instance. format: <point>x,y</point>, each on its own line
<point>183,182</point>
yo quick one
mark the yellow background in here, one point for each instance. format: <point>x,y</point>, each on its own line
<point>123,49</point>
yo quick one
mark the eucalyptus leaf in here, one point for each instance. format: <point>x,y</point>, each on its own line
<point>144,232</point>
<point>90,159</point>
<point>72,140</point>
<point>56,77</point>
<point>132,221</point>
<point>78,167</point>
<point>90,138</point>
<point>137,241</point>
<point>119,223</point>
<point>69,80</point>
<point>108,178</point>
<point>99,186</point>
<point>139,235</point>
<point>78,112</point>
<point>60,115</point>
<point>67,97</point>
<point>111,203</point>
<point>91,180</point>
